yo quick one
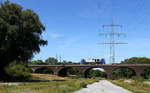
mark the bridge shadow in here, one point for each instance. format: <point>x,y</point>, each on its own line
<point>123,72</point>
<point>44,70</point>
<point>67,71</point>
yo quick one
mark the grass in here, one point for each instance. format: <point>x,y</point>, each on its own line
<point>55,85</point>
<point>134,87</point>
<point>45,83</point>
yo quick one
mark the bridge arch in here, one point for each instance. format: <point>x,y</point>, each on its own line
<point>127,72</point>
<point>146,73</point>
<point>44,70</point>
<point>95,72</point>
<point>32,70</point>
<point>67,71</point>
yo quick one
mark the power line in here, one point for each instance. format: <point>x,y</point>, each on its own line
<point>112,41</point>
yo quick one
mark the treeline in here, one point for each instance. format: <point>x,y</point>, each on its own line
<point>50,60</point>
<point>136,60</point>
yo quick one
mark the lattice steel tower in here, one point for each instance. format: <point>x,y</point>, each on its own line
<point>112,41</point>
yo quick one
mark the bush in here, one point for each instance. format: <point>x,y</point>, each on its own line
<point>112,77</point>
<point>138,79</point>
<point>97,73</point>
<point>18,72</point>
<point>83,84</point>
<point>146,73</point>
<point>79,75</point>
<point>123,73</point>
<point>63,89</point>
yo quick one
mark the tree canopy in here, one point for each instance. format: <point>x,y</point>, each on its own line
<point>136,60</point>
<point>37,61</point>
<point>51,60</point>
<point>20,34</point>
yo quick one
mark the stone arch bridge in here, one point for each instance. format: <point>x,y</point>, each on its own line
<point>137,68</point>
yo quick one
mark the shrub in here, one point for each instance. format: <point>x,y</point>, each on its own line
<point>79,75</point>
<point>138,79</point>
<point>112,77</point>
<point>96,73</point>
<point>123,73</point>
<point>18,72</point>
<point>83,84</point>
<point>63,89</point>
<point>146,73</point>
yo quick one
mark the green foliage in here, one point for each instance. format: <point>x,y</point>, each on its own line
<point>146,73</point>
<point>68,71</point>
<point>121,73</point>
<point>17,72</point>
<point>37,61</point>
<point>91,73</point>
<point>79,75</point>
<point>138,79</point>
<point>44,70</point>
<point>112,77</point>
<point>124,72</point>
<point>83,84</point>
<point>47,71</point>
<point>63,89</point>
<point>139,60</point>
<point>67,86</point>
<point>20,34</point>
<point>51,60</point>
<point>97,73</point>
<point>134,87</point>
<point>136,60</point>
<point>67,62</point>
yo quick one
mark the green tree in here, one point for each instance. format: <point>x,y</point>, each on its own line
<point>70,62</point>
<point>136,60</point>
<point>18,72</point>
<point>51,60</point>
<point>67,62</point>
<point>64,61</point>
<point>37,61</point>
<point>20,35</point>
<point>68,71</point>
<point>97,73</point>
<point>123,73</point>
<point>146,73</point>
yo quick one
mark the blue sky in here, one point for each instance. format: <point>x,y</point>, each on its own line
<point>73,27</point>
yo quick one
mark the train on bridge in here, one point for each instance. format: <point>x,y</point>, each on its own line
<point>92,61</point>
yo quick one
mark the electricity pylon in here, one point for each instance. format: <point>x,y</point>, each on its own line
<point>112,41</point>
